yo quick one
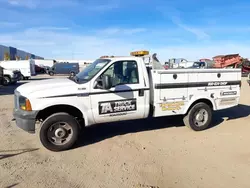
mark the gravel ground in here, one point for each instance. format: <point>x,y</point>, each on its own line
<point>159,153</point>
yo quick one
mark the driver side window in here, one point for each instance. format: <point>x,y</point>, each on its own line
<point>123,72</point>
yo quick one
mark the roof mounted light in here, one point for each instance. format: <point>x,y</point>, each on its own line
<point>106,56</point>
<point>139,53</point>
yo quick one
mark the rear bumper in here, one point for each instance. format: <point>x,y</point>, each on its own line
<point>25,120</point>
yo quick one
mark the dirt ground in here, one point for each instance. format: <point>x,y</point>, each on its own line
<point>158,153</point>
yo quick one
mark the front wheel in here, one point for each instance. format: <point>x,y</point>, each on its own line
<point>199,117</point>
<point>59,132</point>
<point>72,74</point>
<point>6,80</point>
<point>51,73</point>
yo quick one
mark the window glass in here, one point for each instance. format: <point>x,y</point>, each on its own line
<point>91,70</point>
<point>123,72</point>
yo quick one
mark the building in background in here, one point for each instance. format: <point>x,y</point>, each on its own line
<point>14,53</point>
<point>3,50</point>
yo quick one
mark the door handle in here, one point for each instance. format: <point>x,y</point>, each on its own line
<point>141,92</point>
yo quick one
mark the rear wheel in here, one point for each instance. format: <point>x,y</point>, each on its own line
<point>59,132</point>
<point>72,74</point>
<point>51,73</point>
<point>199,117</point>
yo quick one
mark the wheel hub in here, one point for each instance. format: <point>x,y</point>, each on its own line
<point>60,133</point>
<point>199,117</point>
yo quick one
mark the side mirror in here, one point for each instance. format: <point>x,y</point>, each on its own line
<point>106,82</point>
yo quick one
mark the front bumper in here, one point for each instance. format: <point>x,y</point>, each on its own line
<point>25,120</point>
<point>14,79</point>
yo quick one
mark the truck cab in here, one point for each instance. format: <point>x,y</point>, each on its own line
<point>119,89</point>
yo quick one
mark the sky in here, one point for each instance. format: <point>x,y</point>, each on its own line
<point>88,29</point>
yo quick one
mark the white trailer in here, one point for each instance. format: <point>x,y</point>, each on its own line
<point>44,62</point>
<point>26,67</point>
<point>123,88</point>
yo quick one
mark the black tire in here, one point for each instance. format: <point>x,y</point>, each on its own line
<point>51,73</point>
<point>6,80</point>
<point>46,126</point>
<point>22,77</point>
<point>190,119</point>
<point>72,74</point>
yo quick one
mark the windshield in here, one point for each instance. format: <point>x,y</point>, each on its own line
<point>91,70</point>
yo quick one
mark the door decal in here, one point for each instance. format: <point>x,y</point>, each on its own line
<point>117,106</point>
<point>172,106</point>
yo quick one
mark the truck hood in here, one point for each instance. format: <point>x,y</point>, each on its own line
<point>42,85</point>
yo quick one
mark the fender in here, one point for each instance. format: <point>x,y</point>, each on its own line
<point>194,99</point>
<point>43,104</point>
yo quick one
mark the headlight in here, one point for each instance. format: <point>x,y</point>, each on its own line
<point>24,103</point>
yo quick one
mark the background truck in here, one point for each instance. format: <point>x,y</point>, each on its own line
<point>64,68</point>
<point>43,65</point>
<point>179,63</point>
<point>10,76</point>
<point>119,89</point>
<point>203,64</point>
<point>26,67</point>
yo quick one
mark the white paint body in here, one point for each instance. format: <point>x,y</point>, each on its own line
<point>44,62</point>
<point>9,73</point>
<point>154,83</point>
<point>26,67</point>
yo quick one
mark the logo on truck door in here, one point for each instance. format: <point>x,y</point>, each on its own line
<point>172,106</point>
<point>110,107</point>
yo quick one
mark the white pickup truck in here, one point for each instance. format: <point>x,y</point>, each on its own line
<point>11,76</point>
<point>122,88</point>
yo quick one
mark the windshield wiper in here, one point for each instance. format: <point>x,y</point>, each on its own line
<point>76,79</point>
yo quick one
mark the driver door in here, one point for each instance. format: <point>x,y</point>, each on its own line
<point>124,101</point>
